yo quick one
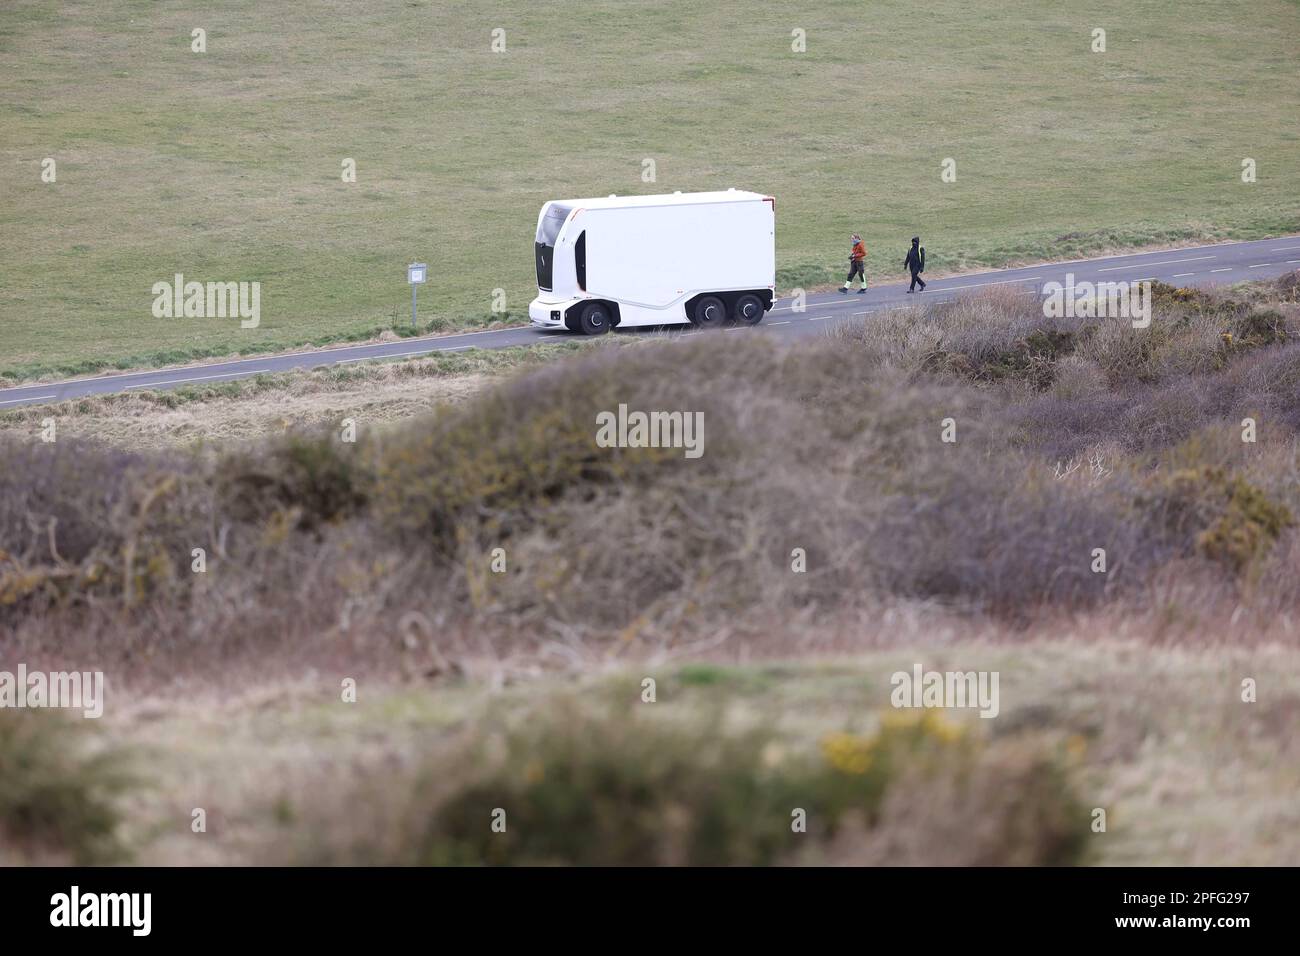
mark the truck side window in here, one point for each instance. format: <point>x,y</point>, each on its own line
<point>580,260</point>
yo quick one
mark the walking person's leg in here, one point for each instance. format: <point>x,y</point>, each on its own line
<point>855,269</point>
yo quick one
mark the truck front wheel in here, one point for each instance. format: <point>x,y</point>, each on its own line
<point>594,319</point>
<point>710,312</point>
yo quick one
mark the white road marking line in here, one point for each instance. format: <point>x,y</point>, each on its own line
<point>949,288</point>
<point>818,318</point>
<point>1283,248</point>
<point>1261,265</point>
<point>786,322</point>
<point>1184,275</point>
<point>1291,261</point>
<point>30,398</point>
<point>374,358</point>
<point>1162,262</point>
<point>739,329</point>
<point>1220,270</point>
<point>199,378</point>
<point>828,304</point>
<point>807,305</point>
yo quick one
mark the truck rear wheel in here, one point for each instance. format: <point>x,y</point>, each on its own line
<point>710,312</point>
<point>748,309</point>
<point>594,319</point>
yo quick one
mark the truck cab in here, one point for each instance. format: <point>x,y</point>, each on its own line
<point>558,286</point>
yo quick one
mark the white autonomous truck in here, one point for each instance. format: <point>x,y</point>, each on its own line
<point>704,258</point>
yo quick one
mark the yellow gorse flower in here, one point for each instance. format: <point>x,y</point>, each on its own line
<point>852,753</point>
<point>928,722</point>
<point>848,753</point>
<point>1076,745</point>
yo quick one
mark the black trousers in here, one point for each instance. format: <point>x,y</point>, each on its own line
<point>856,269</point>
<point>916,277</point>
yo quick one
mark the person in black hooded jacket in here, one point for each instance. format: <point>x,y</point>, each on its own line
<point>915,263</point>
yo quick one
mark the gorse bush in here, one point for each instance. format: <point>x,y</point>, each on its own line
<point>1164,295</point>
<point>831,448</point>
<point>1222,516</point>
<point>608,791</point>
<point>1002,338</point>
<point>932,815</point>
<point>315,479</point>
<point>56,802</point>
<point>1258,329</point>
<point>608,785</point>
<point>80,522</point>
<point>488,470</point>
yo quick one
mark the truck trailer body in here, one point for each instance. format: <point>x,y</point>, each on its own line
<point>706,258</point>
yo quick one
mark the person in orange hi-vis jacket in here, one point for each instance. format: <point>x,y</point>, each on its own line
<point>856,257</point>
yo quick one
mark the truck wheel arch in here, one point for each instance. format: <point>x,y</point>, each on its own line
<point>573,314</point>
<point>729,300</point>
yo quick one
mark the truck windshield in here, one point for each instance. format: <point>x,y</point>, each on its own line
<point>549,228</point>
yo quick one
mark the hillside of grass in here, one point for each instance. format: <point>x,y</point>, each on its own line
<point>226,165</point>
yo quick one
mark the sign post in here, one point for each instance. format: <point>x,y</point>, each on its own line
<point>415,274</point>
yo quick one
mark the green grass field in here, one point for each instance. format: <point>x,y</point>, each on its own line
<point>226,165</point>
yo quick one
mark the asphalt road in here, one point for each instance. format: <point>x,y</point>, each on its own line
<point>1199,266</point>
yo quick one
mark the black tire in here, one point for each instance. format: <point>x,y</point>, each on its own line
<point>710,312</point>
<point>748,309</point>
<point>594,319</point>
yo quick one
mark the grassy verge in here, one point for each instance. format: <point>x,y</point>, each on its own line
<point>92,366</point>
<point>373,394</point>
